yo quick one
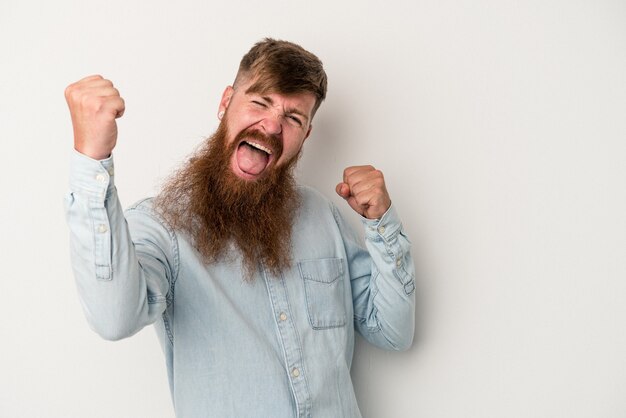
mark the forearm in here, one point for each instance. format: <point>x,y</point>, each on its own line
<point>119,294</point>
<point>383,285</point>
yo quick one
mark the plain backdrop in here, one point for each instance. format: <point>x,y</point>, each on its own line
<point>500,127</point>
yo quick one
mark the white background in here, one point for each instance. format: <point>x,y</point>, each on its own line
<point>500,127</point>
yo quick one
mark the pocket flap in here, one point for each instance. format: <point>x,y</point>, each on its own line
<point>324,270</point>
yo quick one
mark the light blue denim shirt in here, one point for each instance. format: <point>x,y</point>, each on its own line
<point>273,347</point>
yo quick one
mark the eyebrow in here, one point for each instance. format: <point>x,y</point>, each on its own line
<point>288,110</point>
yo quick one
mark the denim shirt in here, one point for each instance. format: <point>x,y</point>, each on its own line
<point>274,346</point>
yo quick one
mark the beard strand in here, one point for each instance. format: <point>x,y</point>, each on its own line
<point>216,209</point>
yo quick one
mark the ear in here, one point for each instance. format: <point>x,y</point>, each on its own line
<point>308,132</point>
<point>225,101</point>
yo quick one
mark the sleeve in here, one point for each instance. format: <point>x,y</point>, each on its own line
<point>124,267</point>
<point>382,280</point>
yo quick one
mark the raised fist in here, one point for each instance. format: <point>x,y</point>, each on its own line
<point>364,189</point>
<point>94,105</point>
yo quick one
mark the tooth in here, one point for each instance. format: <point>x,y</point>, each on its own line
<point>259,146</point>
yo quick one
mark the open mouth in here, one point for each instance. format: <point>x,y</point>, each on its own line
<point>252,158</point>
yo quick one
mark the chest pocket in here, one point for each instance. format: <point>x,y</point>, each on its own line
<point>324,292</point>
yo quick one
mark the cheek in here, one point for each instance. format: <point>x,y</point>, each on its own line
<point>293,148</point>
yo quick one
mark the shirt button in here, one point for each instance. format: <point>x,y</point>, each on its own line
<point>381,229</point>
<point>283,316</point>
<point>102,228</point>
<point>101,178</point>
<point>295,372</point>
<point>398,262</point>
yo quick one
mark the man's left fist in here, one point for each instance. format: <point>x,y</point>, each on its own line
<point>364,189</point>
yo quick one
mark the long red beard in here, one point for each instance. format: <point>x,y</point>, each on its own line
<point>208,202</point>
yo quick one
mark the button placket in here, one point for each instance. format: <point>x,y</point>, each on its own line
<point>102,242</point>
<point>290,341</point>
<point>100,224</point>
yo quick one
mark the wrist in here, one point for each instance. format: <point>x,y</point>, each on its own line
<point>93,153</point>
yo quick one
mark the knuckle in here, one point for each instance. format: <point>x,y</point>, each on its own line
<point>360,199</point>
<point>90,102</point>
<point>85,100</point>
<point>72,93</point>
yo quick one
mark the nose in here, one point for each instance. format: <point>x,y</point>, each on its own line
<point>272,124</point>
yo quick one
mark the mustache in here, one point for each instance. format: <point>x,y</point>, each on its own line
<point>272,141</point>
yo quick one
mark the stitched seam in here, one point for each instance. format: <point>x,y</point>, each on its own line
<point>176,264</point>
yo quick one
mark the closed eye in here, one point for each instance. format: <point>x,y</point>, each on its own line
<point>258,103</point>
<point>295,119</point>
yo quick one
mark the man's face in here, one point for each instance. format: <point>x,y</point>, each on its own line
<point>268,129</point>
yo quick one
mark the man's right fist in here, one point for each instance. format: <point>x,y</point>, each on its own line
<point>94,105</point>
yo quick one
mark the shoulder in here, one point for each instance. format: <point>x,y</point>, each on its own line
<point>317,207</point>
<point>144,207</point>
<point>312,199</point>
<point>143,211</point>
<point>145,204</point>
<point>309,194</point>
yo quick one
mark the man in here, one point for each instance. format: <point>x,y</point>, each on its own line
<point>255,285</point>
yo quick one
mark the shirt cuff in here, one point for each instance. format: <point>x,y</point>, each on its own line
<point>386,228</point>
<point>93,178</point>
